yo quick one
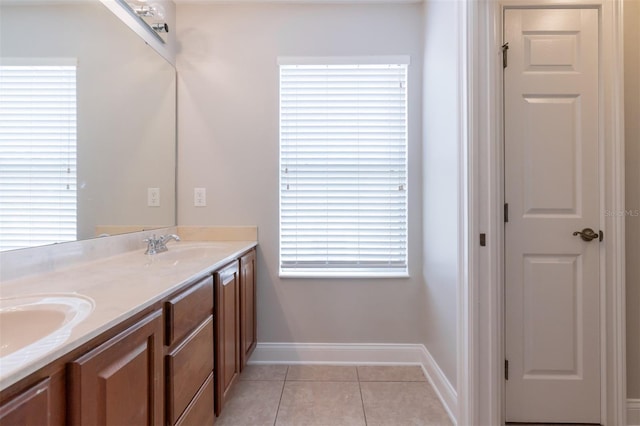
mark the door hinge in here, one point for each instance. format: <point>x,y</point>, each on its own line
<point>505,47</point>
<point>483,240</point>
<point>506,212</point>
<point>506,369</point>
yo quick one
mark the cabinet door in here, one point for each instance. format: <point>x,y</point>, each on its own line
<point>32,407</point>
<point>227,331</point>
<point>119,382</point>
<point>247,306</point>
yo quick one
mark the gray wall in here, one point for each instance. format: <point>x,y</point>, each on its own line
<point>632,140</point>
<point>228,143</point>
<point>442,126</point>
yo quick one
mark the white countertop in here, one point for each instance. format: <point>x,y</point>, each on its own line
<point>120,286</point>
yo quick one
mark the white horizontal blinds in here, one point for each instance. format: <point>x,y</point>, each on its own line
<point>343,175</point>
<point>37,155</point>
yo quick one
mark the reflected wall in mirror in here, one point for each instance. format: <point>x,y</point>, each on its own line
<point>124,130</point>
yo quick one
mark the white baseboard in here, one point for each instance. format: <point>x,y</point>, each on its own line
<point>361,354</point>
<point>633,412</point>
<point>446,392</point>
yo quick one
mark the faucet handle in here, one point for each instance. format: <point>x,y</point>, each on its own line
<point>168,237</point>
<point>152,244</point>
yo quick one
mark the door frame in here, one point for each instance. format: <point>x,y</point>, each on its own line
<point>480,388</point>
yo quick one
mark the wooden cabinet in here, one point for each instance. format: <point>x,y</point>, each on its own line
<point>227,329</point>
<point>120,381</point>
<point>188,309</point>
<point>248,323</point>
<point>172,364</point>
<point>200,411</point>
<point>189,361</point>
<point>32,407</point>
<point>188,368</point>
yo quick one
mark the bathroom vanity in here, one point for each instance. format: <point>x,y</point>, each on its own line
<point>168,335</point>
<point>95,331</point>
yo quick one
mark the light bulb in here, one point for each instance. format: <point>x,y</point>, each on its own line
<point>158,11</point>
<point>144,11</point>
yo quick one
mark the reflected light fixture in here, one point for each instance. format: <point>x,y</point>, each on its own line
<point>160,27</point>
<point>144,11</point>
<point>150,14</point>
<point>154,10</point>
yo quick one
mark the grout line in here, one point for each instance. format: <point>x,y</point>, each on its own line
<point>394,381</point>
<point>281,393</point>
<point>364,412</point>
<point>323,380</point>
<point>358,381</point>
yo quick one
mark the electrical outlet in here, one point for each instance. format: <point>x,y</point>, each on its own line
<point>153,197</point>
<point>199,197</point>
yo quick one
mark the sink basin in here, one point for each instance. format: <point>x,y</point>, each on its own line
<point>183,252</point>
<point>33,325</point>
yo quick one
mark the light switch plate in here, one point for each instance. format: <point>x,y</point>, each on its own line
<point>153,197</point>
<point>199,197</point>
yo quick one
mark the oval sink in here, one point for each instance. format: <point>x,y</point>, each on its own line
<point>33,325</point>
<point>181,252</point>
<point>22,327</point>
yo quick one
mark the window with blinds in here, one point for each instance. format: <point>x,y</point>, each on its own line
<point>37,155</point>
<point>343,169</point>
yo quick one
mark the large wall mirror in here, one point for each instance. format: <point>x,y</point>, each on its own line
<point>87,125</point>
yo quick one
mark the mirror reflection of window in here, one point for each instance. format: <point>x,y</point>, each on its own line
<point>38,127</point>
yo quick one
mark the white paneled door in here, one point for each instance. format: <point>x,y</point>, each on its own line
<point>552,283</point>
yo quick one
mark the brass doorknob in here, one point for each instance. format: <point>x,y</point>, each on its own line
<point>587,234</point>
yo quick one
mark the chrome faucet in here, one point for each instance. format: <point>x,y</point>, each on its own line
<point>159,245</point>
<point>165,239</point>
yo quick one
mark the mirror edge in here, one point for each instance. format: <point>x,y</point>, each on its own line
<point>167,49</point>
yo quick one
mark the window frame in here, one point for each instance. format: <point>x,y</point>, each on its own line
<point>332,272</point>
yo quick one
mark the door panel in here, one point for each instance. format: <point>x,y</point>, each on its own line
<point>552,282</point>
<point>552,316</point>
<point>549,154</point>
<point>550,52</point>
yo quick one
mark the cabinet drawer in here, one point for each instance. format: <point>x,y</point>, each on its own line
<point>188,309</point>
<point>188,366</point>
<point>200,411</point>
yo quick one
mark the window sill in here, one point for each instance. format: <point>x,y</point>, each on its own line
<point>342,275</point>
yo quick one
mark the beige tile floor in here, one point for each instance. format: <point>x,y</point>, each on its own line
<point>321,395</point>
